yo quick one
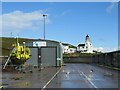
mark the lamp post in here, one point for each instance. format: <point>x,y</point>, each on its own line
<point>44,25</point>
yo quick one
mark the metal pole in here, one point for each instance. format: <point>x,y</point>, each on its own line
<point>11,34</point>
<point>44,25</point>
<point>44,28</point>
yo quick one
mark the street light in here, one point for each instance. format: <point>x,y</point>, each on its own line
<point>44,25</point>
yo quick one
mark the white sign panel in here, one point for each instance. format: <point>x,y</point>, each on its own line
<point>39,44</point>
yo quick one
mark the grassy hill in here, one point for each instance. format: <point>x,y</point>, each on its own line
<point>8,42</point>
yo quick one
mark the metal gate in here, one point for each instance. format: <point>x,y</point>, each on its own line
<point>48,56</point>
<point>34,56</point>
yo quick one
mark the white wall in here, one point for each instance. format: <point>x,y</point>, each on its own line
<point>66,49</point>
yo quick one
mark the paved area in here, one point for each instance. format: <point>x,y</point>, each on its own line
<point>68,76</point>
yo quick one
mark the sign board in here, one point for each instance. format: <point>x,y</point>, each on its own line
<point>39,44</point>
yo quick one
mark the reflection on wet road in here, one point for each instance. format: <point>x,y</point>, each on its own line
<point>84,76</point>
<point>69,76</point>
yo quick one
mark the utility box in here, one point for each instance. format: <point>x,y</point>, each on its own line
<point>45,53</point>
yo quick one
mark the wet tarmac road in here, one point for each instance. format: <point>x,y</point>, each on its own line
<point>68,76</point>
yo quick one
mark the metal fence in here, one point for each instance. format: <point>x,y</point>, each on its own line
<point>85,59</point>
<point>111,59</point>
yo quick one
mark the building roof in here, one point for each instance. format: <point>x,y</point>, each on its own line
<point>66,44</point>
<point>46,40</point>
<point>70,45</point>
<point>87,39</point>
<point>87,35</point>
<point>81,45</point>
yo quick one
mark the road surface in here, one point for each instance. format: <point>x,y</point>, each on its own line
<point>68,76</point>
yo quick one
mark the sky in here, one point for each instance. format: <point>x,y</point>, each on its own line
<point>67,22</point>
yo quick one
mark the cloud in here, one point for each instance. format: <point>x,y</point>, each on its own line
<point>105,49</point>
<point>65,12</point>
<point>99,49</point>
<point>18,21</point>
<point>110,49</point>
<point>111,6</point>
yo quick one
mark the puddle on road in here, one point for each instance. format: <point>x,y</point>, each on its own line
<point>17,77</point>
<point>23,84</point>
<point>4,77</point>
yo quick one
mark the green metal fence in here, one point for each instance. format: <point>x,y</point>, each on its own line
<point>111,59</point>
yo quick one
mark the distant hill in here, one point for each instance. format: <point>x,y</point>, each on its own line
<point>7,43</point>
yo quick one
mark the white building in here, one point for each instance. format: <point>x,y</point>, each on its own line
<point>67,48</point>
<point>98,50</point>
<point>87,47</point>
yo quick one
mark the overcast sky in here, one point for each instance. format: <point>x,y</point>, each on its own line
<point>65,22</point>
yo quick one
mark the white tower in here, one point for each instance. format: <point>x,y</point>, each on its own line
<point>88,45</point>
